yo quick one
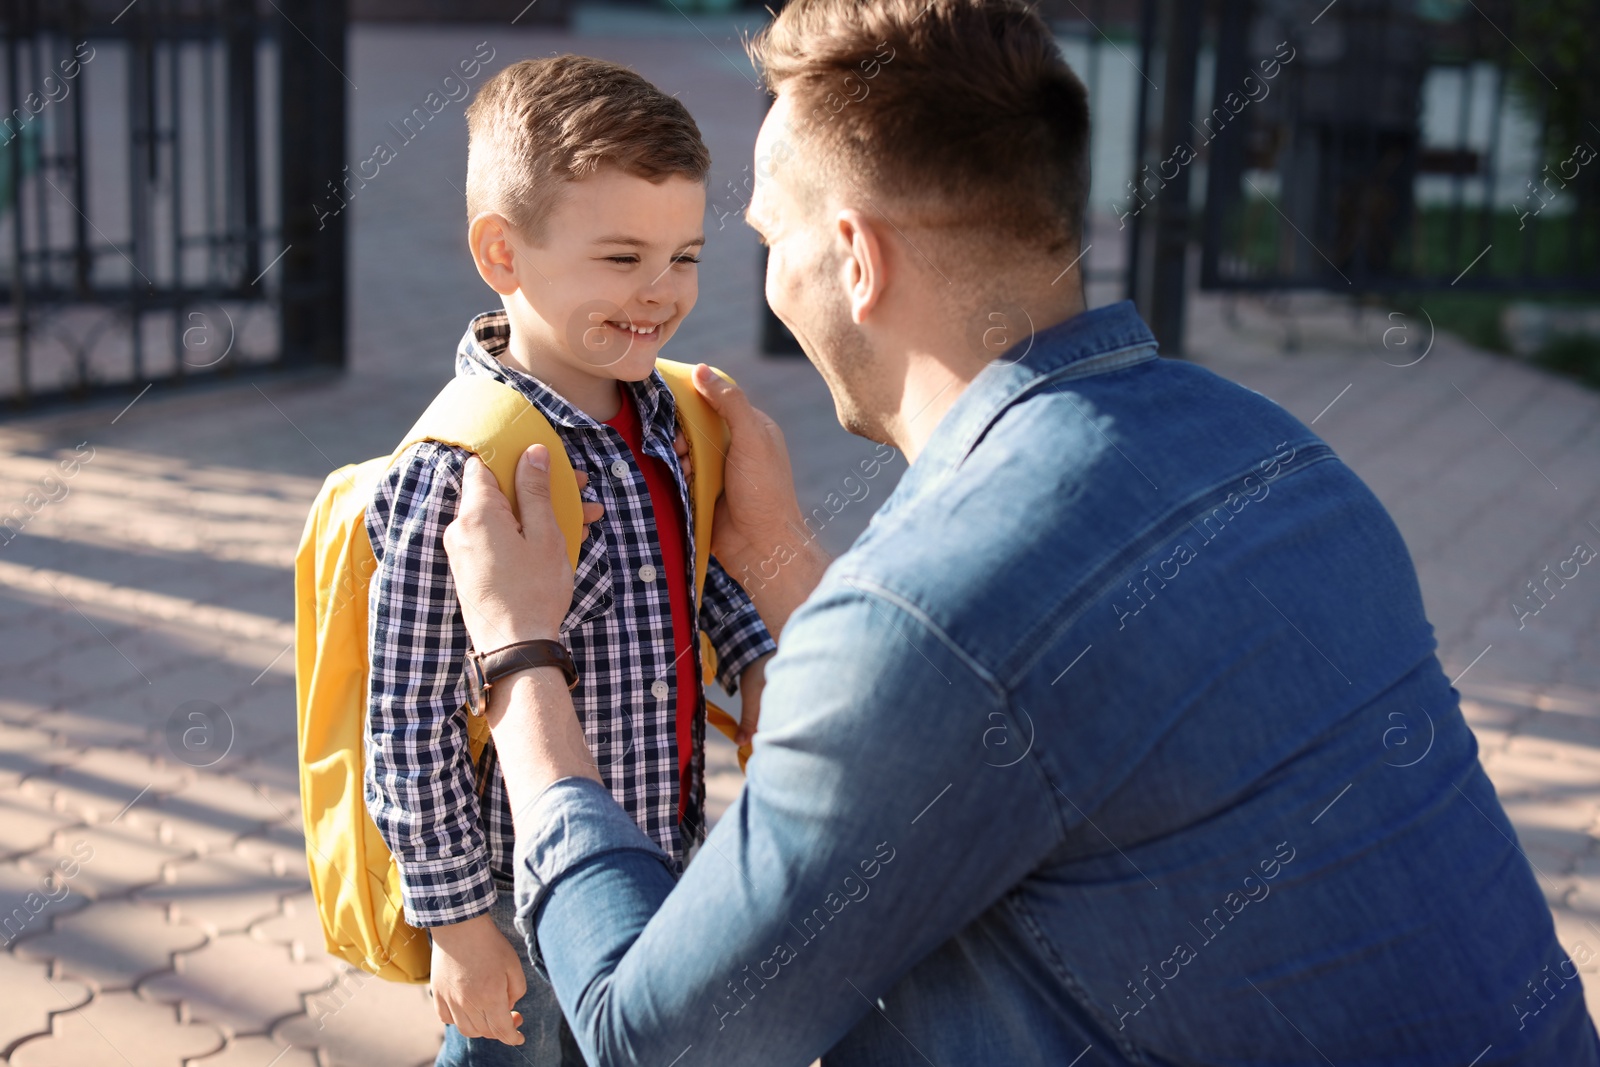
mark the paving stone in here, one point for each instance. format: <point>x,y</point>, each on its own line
<point>257,1052</point>
<point>32,996</point>
<point>45,639</point>
<point>265,712</point>
<point>281,843</point>
<point>1569,699</point>
<point>285,801</point>
<point>296,927</point>
<point>27,823</point>
<point>27,751</point>
<point>21,708</point>
<point>111,859</point>
<point>113,944</point>
<point>30,898</point>
<point>1493,722</point>
<point>363,1020</point>
<point>273,766</point>
<point>225,892</point>
<point>1583,904</point>
<point>1553,832</point>
<point>1527,770</point>
<point>1579,934</point>
<point>200,679</point>
<point>284,853</point>
<point>1584,671</point>
<point>105,659</point>
<point>238,983</point>
<point>210,812</point>
<point>103,783</point>
<point>120,1029</point>
<point>1521,745</point>
<point>113,718</point>
<point>1569,727</point>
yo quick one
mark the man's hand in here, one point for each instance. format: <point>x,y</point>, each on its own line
<point>477,980</point>
<point>758,535</point>
<point>514,582</point>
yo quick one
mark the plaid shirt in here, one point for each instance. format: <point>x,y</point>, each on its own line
<point>420,784</point>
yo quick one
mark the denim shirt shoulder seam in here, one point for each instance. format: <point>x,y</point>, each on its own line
<point>1103,363</point>
<point>881,592</point>
<point>1153,533</point>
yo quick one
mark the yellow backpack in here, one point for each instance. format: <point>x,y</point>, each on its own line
<point>353,875</point>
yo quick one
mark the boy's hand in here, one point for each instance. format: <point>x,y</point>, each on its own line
<point>477,980</point>
<point>751,682</point>
<point>680,445</point>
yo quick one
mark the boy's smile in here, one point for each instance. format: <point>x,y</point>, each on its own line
<point>607,284</point>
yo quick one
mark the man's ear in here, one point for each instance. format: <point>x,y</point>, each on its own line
<point>488,235</point>
<point>865,264</point>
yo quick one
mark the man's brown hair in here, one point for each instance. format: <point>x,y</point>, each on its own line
<point>542,122</point>
<point>961,110</point>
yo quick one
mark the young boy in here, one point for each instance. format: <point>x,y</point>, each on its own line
<point>586,198</point>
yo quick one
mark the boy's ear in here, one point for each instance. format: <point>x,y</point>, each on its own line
<point>488,235</point>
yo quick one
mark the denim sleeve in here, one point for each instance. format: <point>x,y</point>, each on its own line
<point>738,636</point>
<point>419,781</point>
<point>873,826</point>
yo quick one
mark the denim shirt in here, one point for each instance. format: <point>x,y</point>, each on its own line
<point>1117,738</point>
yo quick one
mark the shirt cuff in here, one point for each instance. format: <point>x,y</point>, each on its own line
<point>748,647</point>
<point>578,821</point>
<point>441,894</point>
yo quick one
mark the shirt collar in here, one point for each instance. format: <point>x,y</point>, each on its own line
<point>486,340</point>
<point>1046,355</point>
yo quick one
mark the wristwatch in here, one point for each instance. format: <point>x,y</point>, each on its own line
<point>486,668</point>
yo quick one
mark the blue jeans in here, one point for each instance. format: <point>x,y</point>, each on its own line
<point>547,1040</point>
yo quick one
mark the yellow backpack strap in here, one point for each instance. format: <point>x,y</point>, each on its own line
<point>498,424</point>
<point>708,452</point>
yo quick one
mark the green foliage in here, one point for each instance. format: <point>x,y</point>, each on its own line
<point>1557,40</point>
<point>1576,356</point>
<point>1439,244</point>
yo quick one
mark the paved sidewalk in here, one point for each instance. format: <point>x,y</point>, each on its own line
<point>147,720</point>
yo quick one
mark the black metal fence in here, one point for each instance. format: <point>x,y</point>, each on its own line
<point>1406,146</point>
<point>159,163</point>
<point>1364,146</point>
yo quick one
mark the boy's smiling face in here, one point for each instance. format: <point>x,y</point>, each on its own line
<point>614,275</point>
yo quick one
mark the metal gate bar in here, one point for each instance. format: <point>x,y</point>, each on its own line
<point>142,249</point>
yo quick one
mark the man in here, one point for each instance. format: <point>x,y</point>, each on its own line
<point>1086,752</point>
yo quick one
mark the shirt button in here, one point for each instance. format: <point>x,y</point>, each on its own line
<point>658,689</point>
<point>647,573</point>
<point>619,469</point>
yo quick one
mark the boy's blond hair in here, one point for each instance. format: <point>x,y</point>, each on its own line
<point>542,122</point>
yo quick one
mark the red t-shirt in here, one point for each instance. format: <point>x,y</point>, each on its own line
<point>667,506</point>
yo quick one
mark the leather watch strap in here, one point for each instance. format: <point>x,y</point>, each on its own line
<point>486,668</point>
